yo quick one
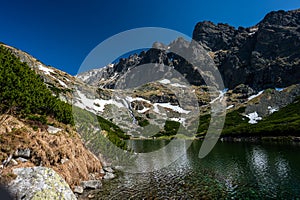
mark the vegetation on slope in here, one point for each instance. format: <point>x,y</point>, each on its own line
<point>23,93</point>
<point>284,122</point>
<point>108,141</point>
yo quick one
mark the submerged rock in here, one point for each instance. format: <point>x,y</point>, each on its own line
<point>39,183</point>
<point>91,184</point>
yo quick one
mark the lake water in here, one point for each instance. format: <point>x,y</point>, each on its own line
<point>230,171</point>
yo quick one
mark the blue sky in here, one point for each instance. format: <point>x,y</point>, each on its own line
<point>62,33</point>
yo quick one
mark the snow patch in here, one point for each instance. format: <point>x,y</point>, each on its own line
<point>180,120</point>
<point>165,81</point>
<point>253,31</point>
<point>169,106</point>
<point>130,99</point>
<point>220,97</point>
<point>45,69</point>
<point>228,107</point>
<point>62,83</point>
<point>178,85</point>
<point>97,105</point>
<point>272,110</point>
<point>253,118</point>
<point>256,95</point>
<point>143,110</point>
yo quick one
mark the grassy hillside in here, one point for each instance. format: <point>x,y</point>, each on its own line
<point>284,122</point>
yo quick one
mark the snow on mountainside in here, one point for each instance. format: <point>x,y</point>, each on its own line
<point>154,102</point>
<point>255,79</point>
<point>61,83</point>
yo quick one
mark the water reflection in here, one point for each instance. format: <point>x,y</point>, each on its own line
<point>230,171</point>
<point>282,168</point>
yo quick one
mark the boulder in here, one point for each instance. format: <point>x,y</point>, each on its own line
<point>39,183</point>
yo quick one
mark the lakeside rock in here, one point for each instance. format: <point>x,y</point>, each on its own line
<point>39,183</point>
<point>91,184</point>
<point>109,175</point>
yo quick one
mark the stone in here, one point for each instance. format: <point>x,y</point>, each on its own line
<point>102,171</point>
<point>13,162</point>
<point>109,175</point>
<point>64,160</point>
<point>20,159</point>
<point>108,169</point>
<point>53,130</point>
<point>119,167</point>
<point>39,183</point>
<point>25,153</point>
<point>78,189</point>
<point>91,184</point>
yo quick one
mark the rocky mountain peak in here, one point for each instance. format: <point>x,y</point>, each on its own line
<point>214,36</point>
<point>262,56</point>
<point>282,18</point>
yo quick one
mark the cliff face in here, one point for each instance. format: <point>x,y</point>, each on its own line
<point>263,56</point>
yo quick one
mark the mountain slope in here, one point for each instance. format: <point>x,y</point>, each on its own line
<point>24,93</point>
<point>263,56</point>
<point>260,66</point>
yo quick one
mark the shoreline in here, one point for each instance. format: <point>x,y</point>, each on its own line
<point>237,138</point>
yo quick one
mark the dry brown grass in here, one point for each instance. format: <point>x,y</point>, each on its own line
<point>49,150</point>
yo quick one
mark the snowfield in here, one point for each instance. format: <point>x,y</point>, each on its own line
<point>253,118</point>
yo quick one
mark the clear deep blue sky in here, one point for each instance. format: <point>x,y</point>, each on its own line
<point>62,33</point>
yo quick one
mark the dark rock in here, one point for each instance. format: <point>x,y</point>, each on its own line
<point>263,56</point>
<point>243,89</point>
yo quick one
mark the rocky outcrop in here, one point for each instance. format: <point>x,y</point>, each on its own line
<point>39,183</point>
<point>264,56</point>
<point>273,100</point>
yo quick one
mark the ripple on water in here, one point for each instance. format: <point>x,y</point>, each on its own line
<point>231,171</point>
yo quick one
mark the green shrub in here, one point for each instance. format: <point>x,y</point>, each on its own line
<point>24,93</point>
